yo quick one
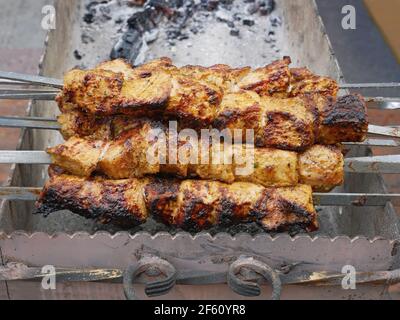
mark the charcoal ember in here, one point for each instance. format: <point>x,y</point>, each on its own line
<point>248,22</point>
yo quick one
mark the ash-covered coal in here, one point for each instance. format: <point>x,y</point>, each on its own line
<point>180,20</point>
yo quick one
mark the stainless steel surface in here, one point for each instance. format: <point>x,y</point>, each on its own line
<point>19,193</point>
<point>28,96</point>
<point>369,85</point>
<point>22,156</point>
<point>29,122</point>
<point>32,79</point>
<point>20,271</point>
<point>355,199</point>
<point>369,143</point>
<point>385,103</point>
<point>377,164</point>
<point>393,131</point>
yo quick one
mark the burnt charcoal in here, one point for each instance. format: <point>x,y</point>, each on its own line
<point>183,36</point>
<point>269,4</point>
<point>119,20</point>
<point>237,16</point>
<point>88,18</point>
<point>210,5</point>
<point>194,29</point>
<point>86,38</point>
<point>248,22</point>
<point>234,32</point>
<point>77,55</point>
<point>178,13</point>
<point>91,4</point>
<point>128,46</point>
<point>105,12</point>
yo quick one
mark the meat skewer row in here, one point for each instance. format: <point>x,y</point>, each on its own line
<point>192,205</point>
<point>290,124</point>
<point>114,87</point>
<point>142,151</point>
<point>221,97</point>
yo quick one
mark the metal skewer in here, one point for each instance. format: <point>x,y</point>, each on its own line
<point>374,164</point>
<point>29,122</point>
<point>18,79</point>
<point>49,95</point>
<point>384,131</point>
<point>57,83</point>
<point>320,199</point>
<point>369,85</point>
<point>31,79</point>
<point>52,124</point>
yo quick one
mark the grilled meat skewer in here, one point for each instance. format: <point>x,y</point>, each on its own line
<point>290,124</point>
<point>114,87</point>
<point>287,108</point>
<point>192,205</point>
<point>138,152</point>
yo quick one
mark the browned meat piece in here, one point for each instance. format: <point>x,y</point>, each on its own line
<point>321,167</point>
<point>271,80</point>
<point>114,87</point>
<point>191,205</point>
<point>303,81</point>
<point>127,156</point>
<point>291,123</point>
<point>344,119</point>
<point>107,201</point>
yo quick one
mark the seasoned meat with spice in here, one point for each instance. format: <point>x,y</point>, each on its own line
<point>192,205</point>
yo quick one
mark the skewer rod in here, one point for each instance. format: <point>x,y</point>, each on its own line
<point>369,85</point>
<point>27,78</point>
<point>320,199</point>
<point>375,164</point>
